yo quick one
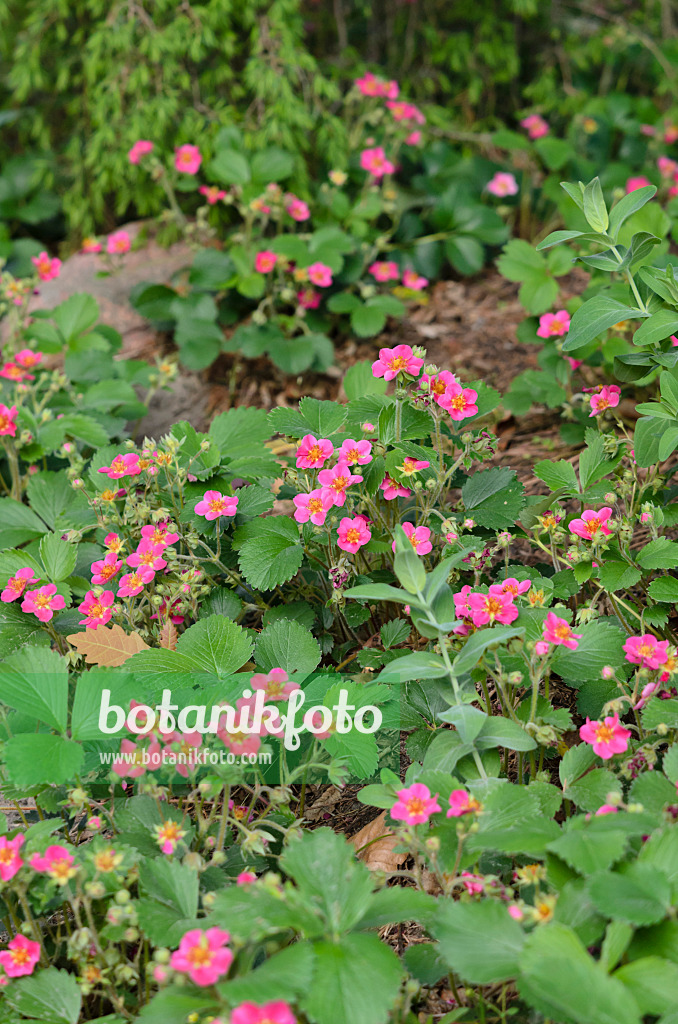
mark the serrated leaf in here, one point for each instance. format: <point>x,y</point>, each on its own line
<point>288,645</point>
<point>36,759</point>
<point>479,941</point>
<point>272,554</point>
<point>640,895</point>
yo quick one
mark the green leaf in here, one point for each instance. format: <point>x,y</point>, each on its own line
<point>395,632</point>
<point>595,209</point>
<point>77,314</point>
<point>367,321</point>
<point>359,380</point>
<point>618,575</point>
<point>285,975</point>
<point>587,851</point>
<point>641,895</point>
<point>465,253</point>
<point>661,553</point>
<point>664,589</point>
<point>272,164</point>
<point>557,238</point>
<point>58,557</point>
<point>494,497</point>
<point>171,883</point>
<point>215,644</point>
<point>479,941</point>
<point>652,982</point>
<point>36,759</point>
<point>288,645</point>
<point>557,475</point>
<point>503,732</point>
<point>323,418</point>
<point>660,325</point>
<point>591,791</point>
<point>350,993</point>
<point>660,712</point>
<point>653,791</point>
<point>50,995</point>
<point>229,167</point>
<point>418,665</point>
<point>172,1006</point>
<point>272,553</point>
<point>595,316</point>
<point>211,270</point>
<point>628,205</point>
<point>35,681</point>
<point>647,439</point>
<point>602,643</point>
<point>479,642</point>
<point>18,523</point>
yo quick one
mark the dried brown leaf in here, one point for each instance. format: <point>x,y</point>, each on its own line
<point>375,846</point>
<point>168,636</point>
<point>107,645</point>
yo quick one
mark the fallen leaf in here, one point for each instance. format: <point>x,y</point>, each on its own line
<point>323,804</point>
<point>168,636</point>
<point>375,845</point>
<point>107,645</point>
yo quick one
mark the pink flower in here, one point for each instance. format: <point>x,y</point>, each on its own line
<point>413,281</point>
<point>413,139</point>
<point>7,420</point>
<point>472,883</point>
<point>419,538</point>
<point>352,534</point>
<point>535,126</point>
<point>158,534</point>
<point>502,184</point>
<point>202,956</point>
<point>214,504</point>
<point>375,163</point>
<point>356,451</point>
<point>276,1012</point>
<point>12,371</point>
<point>554,325</point>
<point>646,651</point>
<point>320,274</point>
<point>114,544</point>
<point>265,261</point>
<point>557,631</point>
<point>370,85</point>
<point>56,862</point>
<point>212,193</point>
<point>10,860</point>
<point>139,149</point>
<point>148,555</point>
<point>437,385</point>
<point>634,183</point>
<point>488,608</point>
<point>385,270</point>
<point>313,452</point>
<point>90,245</point>
<point>462,803</point>
<point>122,465</point>
<point>182,744</point>
<point>541,648</point>
<point>187,159</point>
<point>392,489</point>
<point>667,166</point>
<point>118,243</point>
<point>335,481</point>
<point>47,267</point>
<point>132,583</point>
<point>297,208</point>
<point>42,602</point>
<point>17,584</point>
<point>97,610</point>
<point>405,112</point>
<point>511,586</point>
<point>411,465</point>
<point>515,912</point>
<point>245,878</point>
<point>393,361</point>
<point>670,133</point>
<point>459,402</point>
<point>591,526</point>
<point>415,804</point>
<point>27,358</point>
<point>276,684</point>
<point>240,742</point>
<point>647,129</point>
<point>311,506</point>
<point>607,398</point>
<point>130,764</point>
<point>606,809</point>
<point>607,737</point>
<point>308,298</point>
<point>20,957</point>
<point>574,363</point>
<point>105,569</point>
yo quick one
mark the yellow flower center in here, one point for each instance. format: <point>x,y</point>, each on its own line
<point>415,805</point>
<point>41,600</point>
<point>339,483</point>
<point>20,957</point>
<point>458,402</point>
<point>217,505</point>
<point>7,856</point>
<point>493,606</point>
<point>353,535</point>
<point>199,956</point>
<point>315,453</point>
<point>397,363</point>
<point>315,505</point>
<point>604,734</point>
<point>562,632</point>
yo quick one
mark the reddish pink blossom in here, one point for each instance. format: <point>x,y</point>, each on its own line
<point>370,85</point>
<point>405,113</point>
<point>414,281</point>
<point>353,534</point>
<point>515,912</point>
<point>413,139</point>
<point>297,208</point>
<point>43,602</point>
<point>557,631</point>
<point>411,466</point>
<point>313,452</point>
<point>118,243</point>
<point>541,648</point>
<point>12,371</point>
<point>105,569</point>
<point>385,270</point>
<point>158,534</point>
<point>591,525</point>
<point>502,184</point>
<point>320,274</point>
<point>437,385</point>
<point>122,465</point>
<point>212,193</point>
<point>607,737</point>
<point>265,261</point>
<point>415,804</point>
<point>607,398</point>
<point>311,506</point>
<point>393,361</point>
<point>635,183</point>
<point>97,610</point>
<point>56,862</point>
<point>646,651</point>
<point>276,684</point>
<point>472,883</point>
<point>335,481</point>
<point>20,957</point>
<point>8,420</point>
<point>203,956</point>
<point>134,761</point>
<point>148,556</point>
<point>10,859</point>
<point>27,358</point>
<point>277,1012</point>
<point>187,159</point>
<point>181,746</point>
<point>419,538</point>
<point>245,878</point>
<point>308,298</point>
<point>214,504</point>
<point>606,809</point>
<point>114,544</point>
<point>459,402</point>
<point>139,149</point>
<point>462,803</point>
<point>240,742</point>
<point>355,451</point>
<point>17,584</point>
<point>511,586</point>
<point>132,583</point>
<point>667,166</point>
<point>554,325</point>
<point>47,267</point>
<point>535,126</point>
<point>375,163</point>
<point>392,489</point>
<point>647,129</point>
<point>91,245</point>
<point>488,608</point>
<point>670,133</point>
<point>574,363</point>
